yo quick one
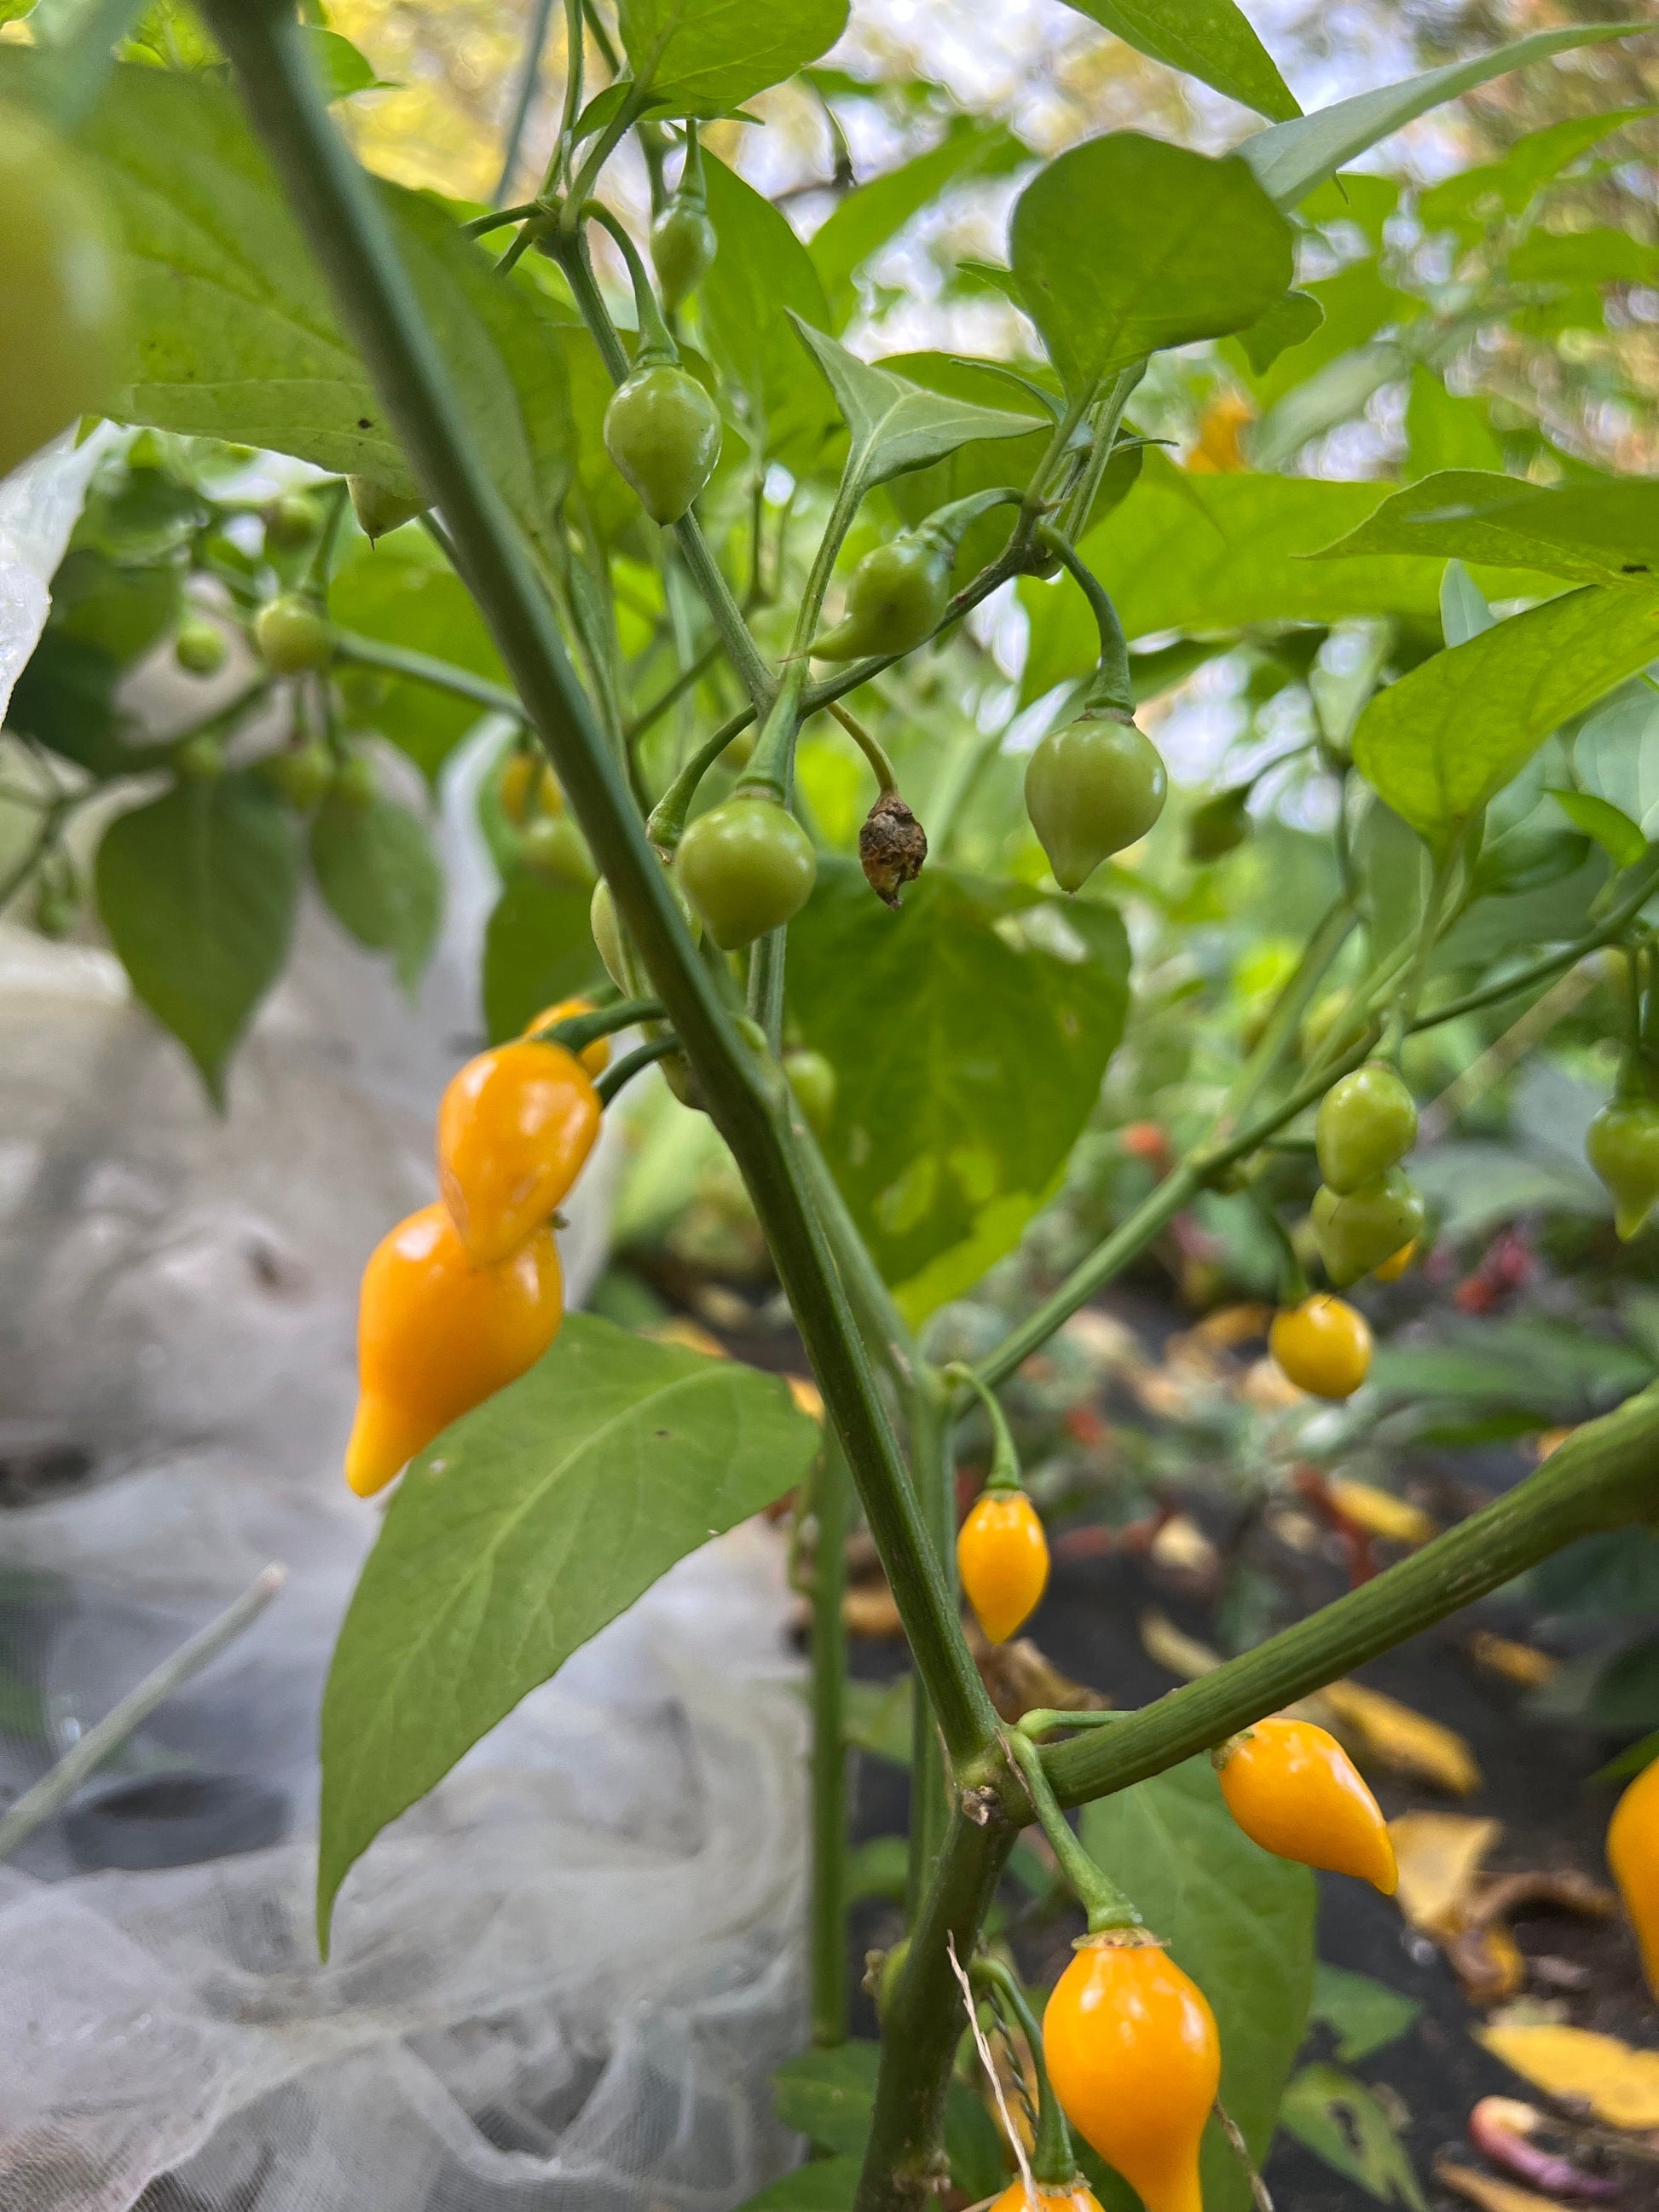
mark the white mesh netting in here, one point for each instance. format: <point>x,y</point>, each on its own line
<point>562,1981</point>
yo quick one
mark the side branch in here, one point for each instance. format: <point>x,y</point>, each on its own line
<point>1605,1476</point>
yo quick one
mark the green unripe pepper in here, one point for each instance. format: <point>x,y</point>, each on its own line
<point>304,774</point>
<point>747,867</point>
<point>1622,1146</point>
<point>895,598</point>
<point>622,963</point>
<point>663,432</point>
<point>684,245</point>
<point>1358,1230</point>
<point>63,337</point>
<point>292,635</point>
<point>198,759</point>
<point>354,783</point>
<point>555,848</point>
<point>1220,825</point>
<point>200,648</point>
<point>378,510</point>
<point>1366,1121</point>
<point>812,1079</point>
<point>291,521</point>
<point>1093,789</point>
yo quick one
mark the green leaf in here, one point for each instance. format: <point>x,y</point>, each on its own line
<point>198,892</point>
<point>922,1013</point>
<point>1291,158</point>
<point>1125,246</point>
<point>871,216</point>
<point>1354,305</point>
<point>1582,256</point>
<point>1365,2014</point>
<point>1341,2121</point>
<point>1239,1921</point>
<point>403,592</point>
<point>1616,755</point>
<point>827,2095</point>
<point>1210,39</point>
<point>338,62</point>
<point>1439,744</point>
<point>824,2185</point>
<point>894,424</point>
<point>1445,430</point>
<point>1289,322</point>
<point>65,699</point>
<point>877,1717</point>
<point>709,55</point>
<point>122,609</point>
<point>538,949</point>
<point>1620,838</point>
<point>762,270</point>
<point>380,879</point>
<point>529,1524</point>
<point>879,1868</point>
<point>1531,162</point>
<point>232,333</point>
<point>1590,532</point>
<point>1465,609</point>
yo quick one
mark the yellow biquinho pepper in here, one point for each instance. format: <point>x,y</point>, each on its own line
<point>514,1126</point>
<point>1294,1791</point>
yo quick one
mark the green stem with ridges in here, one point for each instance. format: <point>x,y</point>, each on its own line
<point>348,234</point>
<point>829,1923</point>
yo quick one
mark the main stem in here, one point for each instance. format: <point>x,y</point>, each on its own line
<point>829,1966</point>
<point>346,232</point>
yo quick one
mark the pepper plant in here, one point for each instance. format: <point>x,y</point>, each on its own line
<point>699,466</point>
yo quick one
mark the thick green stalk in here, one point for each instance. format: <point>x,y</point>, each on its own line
<point>924,2020</point>
<point>829,1752</point>
<point>933,1478</point>
<point>1605,1475</point>
<point>348,234</point>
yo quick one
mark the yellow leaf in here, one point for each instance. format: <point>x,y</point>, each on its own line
<point>1440,1856</point>
<point>1181,1546</point>
<point>1522,1663</point>
<point>1620,2085</point>
<point>1491,2196</point>
<point>1405,1742</point>
<point>808,1398</point>
<point>1170,1647</point>
<point>1380,1511</point>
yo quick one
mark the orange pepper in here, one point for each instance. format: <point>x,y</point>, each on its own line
<point>437,1336</point>
<point>1002,1555</point>
<point>514,1128</point>
<point>1294,1791</point>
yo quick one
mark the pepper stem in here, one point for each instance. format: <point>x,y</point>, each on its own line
<point>690,190</point>
<point>769,764</point>
<point>868,747</point>
<point>1113,688</point>
<point>1052,2164</point>
<point>1005,1460</point>
<point>1103,1903</point>
<point>656,344</point>
<point>667,824</point>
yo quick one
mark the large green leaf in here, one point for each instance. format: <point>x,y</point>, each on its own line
<point>1125,245</point>
<point>1590,532</point>
<point>1210,39</point>
<point>1584,257</point>
<point>823,2184</point>
<point>895,425</point>
<point>538,949</point>
<point>198,891</point>
<point>380,879</point>
<point>828,2097</point>
<point>760,271</point>
<point>1364,2014</point>
<point>1438,745</point>
<point>403,592</point>
<point>869,217</point>
<point>706,56</point>
<point>514,1538</point>
<point>1239,1921</point>
<point>233,336</point>
<point>1446,429</point>
<point>922,1013</point>
<point>1291,158</point>
<point>1213,553</point>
